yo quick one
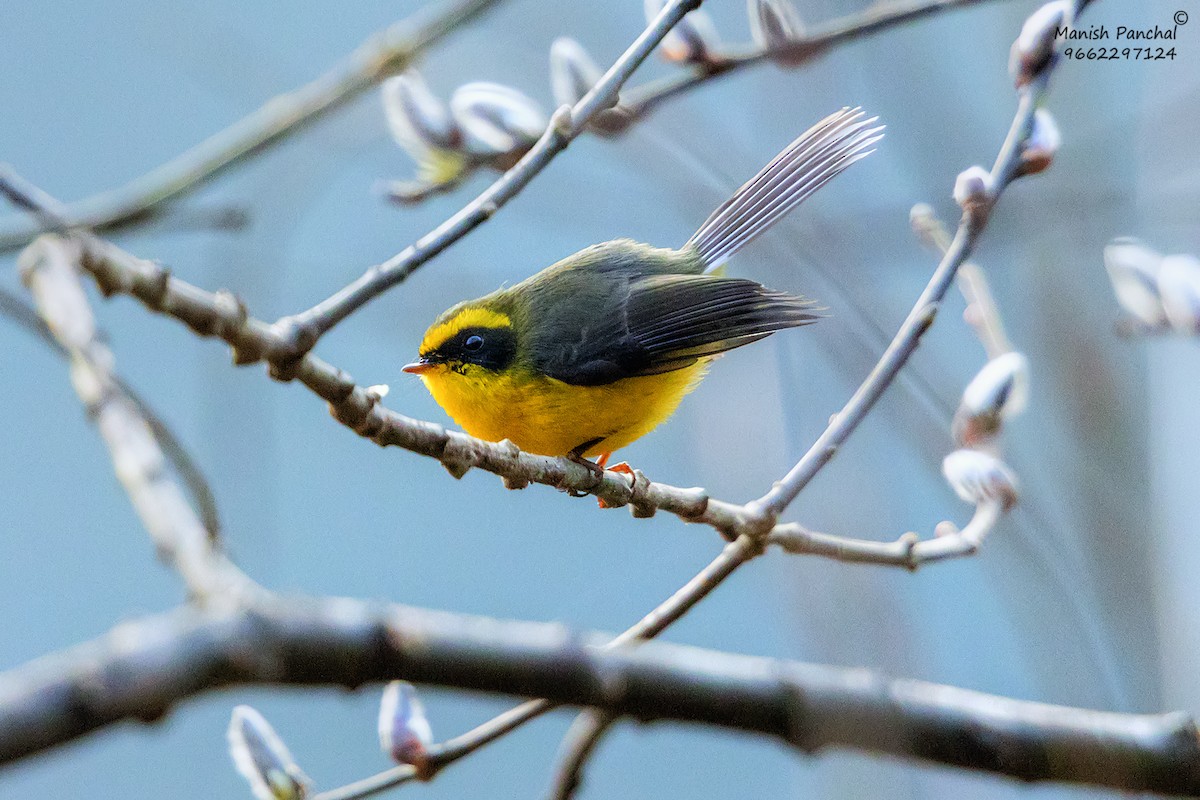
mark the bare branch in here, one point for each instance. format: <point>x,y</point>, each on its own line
<point>49,269</point>
<point>386,53</point>
<point>576,750</point>
<point>302,331</point>
<point>142,669</point>
<point>909,551</point>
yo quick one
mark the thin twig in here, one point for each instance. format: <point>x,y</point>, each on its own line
<point>909,551</point>
<point>302,331</point>
<point>385,53</point>
<point>641,100</point>
<point>443,755</point>
<point>577,747</point>
<point>49,267</point>
<point>142,669</point>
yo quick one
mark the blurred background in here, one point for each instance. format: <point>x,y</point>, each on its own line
<point>1085,595</point>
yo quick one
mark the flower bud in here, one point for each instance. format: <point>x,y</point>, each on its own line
<point>418,119</point>
<point>998,392</point>
<point>404,731</point>
<point>977,478</point>
<point>1034,46</point>
<point>974,189</point>
<point>775,24</point>
<point>573,73</point>
<point>1042,145</point>
<point>262,759</point>
<point>693,40</point>
<point>1133,270</point>
<point>1179,289</point>
<point>497,119</point>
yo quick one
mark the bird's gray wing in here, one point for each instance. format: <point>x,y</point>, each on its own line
<point>654,324</point>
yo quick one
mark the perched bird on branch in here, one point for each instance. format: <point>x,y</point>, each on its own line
<point>597,350</point>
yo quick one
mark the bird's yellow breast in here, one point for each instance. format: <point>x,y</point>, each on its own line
<point>543,415</point>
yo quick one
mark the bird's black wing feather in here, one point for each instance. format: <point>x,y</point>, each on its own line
<point>659,323</point>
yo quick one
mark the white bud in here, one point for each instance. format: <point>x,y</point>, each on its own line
<point>1179,289</point>
<point>404,731</point>
<point>977,477</point>
<point>775,24</point>
<point>378,391</point>
<point>1042,145</point>
<point>262,759</point>
<point>974,188</point>
<point>693,40</point>
<point>573,73</point>
<point>998,392</point>
<point>418,119</point>
<point>1133,270</point>
<point>497,119</point>
<point>1034,46</point>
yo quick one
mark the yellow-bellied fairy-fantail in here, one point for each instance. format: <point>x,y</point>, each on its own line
<point>595,351</point>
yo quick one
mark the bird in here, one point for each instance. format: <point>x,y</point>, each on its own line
<point>598,349</point>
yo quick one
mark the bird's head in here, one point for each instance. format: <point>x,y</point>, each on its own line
<point>471,338</point>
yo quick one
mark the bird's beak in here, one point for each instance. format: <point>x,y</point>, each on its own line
<point>418,367</point>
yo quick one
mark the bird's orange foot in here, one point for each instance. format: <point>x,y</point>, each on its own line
<point>621,467</point>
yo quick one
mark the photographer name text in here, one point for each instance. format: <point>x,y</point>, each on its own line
<point>1100,32</point>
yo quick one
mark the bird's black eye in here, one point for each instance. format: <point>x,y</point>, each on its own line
<point>473,343</point>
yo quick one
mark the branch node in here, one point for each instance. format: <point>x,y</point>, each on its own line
<point>295,335</point>
<point>639,510</point>
<point>908,542</point>
<point>563,123</point>
<point>457,459</point>
<point>159,292</point>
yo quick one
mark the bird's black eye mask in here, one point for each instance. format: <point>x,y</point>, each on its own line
<point>490,348</point>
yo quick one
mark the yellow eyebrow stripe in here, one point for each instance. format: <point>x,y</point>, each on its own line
<point>467,318</point>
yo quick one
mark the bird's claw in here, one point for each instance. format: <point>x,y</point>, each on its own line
<point>597,471</point>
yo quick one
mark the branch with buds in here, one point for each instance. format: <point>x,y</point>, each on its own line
<point>443,141</point>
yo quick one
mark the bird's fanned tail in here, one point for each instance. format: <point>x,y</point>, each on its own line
<point>807,164</point>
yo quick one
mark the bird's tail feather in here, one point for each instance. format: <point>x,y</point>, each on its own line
<point>807,164</point>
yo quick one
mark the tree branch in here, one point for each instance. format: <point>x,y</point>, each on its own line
<point>142,669</point>
<point>909,551</point>
<point>386,53</point>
